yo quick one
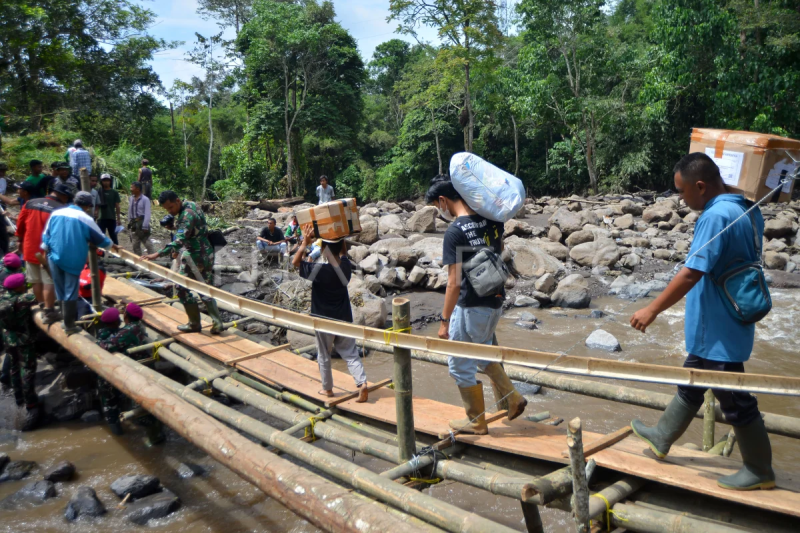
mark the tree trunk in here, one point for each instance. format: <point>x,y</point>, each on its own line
<point>468,108</point>
<point>185,141</point>
<point>210,143</point>
<point>269,152</point>
<point>172,118</point>
<point>436,136</point>
<point>516,145</point>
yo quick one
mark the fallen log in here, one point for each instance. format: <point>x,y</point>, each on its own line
<point>274,205</point>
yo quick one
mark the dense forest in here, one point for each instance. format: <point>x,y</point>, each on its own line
<point>570,95</point>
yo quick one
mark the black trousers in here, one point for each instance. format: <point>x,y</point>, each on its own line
<point>739,408</point>
<point>109,225</point>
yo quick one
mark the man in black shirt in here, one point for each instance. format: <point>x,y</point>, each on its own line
<point>330,299</point>
<point>271,239</point>
<point>466,316</point>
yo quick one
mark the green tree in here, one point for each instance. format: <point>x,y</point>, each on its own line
<point>470,32</point>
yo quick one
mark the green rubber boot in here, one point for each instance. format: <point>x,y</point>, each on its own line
<point>756,472</point>
<point>670,427</point>
<point>213,312</point>
<point>193,312</point>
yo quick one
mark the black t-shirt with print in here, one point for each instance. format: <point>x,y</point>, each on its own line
<point>463,239</point>
<point>329,295</point>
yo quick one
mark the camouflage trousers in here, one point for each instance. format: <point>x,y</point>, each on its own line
<point>110,400</point>
<point>23,373</point>
<point>200,271</point>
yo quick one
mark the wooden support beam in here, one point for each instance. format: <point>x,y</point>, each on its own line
<point>604,442</point>
<point>249,356</point>
<point>494,417</point>
<point>401,376</point>
<point>350,396</point>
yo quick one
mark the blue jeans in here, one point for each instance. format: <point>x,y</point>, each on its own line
<point>66,284</point>
<point>476,325</point>
<point>264,247</point>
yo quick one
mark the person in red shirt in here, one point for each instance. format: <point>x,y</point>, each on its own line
<point>31,222</point>
<point>85,289</point>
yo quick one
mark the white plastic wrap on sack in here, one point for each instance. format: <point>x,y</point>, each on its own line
<point>492,193</point>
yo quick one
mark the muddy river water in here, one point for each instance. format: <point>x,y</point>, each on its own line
<point>221,502</point>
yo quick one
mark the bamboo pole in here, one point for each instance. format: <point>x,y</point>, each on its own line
<point>580,489</point>
<point>409,500</point>
<point>401,377</point>
<point>729,442</point>
<point>648,519</point>
<point>305,493</point>
<point>533,520</point>
<point>603,368</point>
<point>708,421</point>
<point>614,493</point>
<point>94,269</point>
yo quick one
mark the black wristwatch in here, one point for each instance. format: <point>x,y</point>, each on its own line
<point>443,319</point>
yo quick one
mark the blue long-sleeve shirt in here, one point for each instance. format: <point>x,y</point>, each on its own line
<point>67,236</point>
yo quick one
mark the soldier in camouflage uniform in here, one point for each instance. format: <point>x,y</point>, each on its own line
<point>196,257</point>
<point>12,264</point>
<point>112,338</point>
<point>16,320</point>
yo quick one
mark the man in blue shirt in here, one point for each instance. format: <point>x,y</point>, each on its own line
<point>715,339</point>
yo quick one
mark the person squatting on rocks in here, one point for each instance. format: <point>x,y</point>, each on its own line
<point>113,339</point>
<point>31,223</point>
<point>66,240</point>
<point>466,316</point>
<point>271,239</point>
<point>715,339</point>
<point>197,258</point>
<point>16,322</point>
<point>139,219</point>
<point>330,299</point>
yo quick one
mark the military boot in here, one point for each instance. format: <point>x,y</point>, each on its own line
<point>475,423</point>
<point>50,315</point>
<point>213,312</point>
<point>32,416</point>
<point>756,472</point>
<point>670,427</point>
<point>516,401</point>
<point>193,312</point>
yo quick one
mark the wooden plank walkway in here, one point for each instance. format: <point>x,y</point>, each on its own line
<point>683,468</point>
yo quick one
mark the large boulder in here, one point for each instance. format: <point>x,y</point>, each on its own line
<point>84,502</point>
<point>602,252</point>
<point>371,264</point>
<point>624,222</point>
<point>16,470</point>
<point>417,275</point>
<point>34,493</point>
<point>530,260</point>
<point>572,292</point>
<point>63,471</point>
<point>388,278</point>
<point>555,234</point>
<point>368,309</point>
<point>602,340</point>
<point>661,212</point>
<point>546,284</point>
<point>567,221</point>
<point>391,224</point>
<point>776,260</point>
<point>556,249</point>
<point>423,221</point>
<point>137,486</point>
<point>517,227</point>
<point>385,246</point>
<point>579,237</point>
<point>357,253</point>
<point>430,247</point>
<point>152,507</point>
<point>629,207</point>
<point>405,257</point>
<point>778,227</point>
<point>368,233</point>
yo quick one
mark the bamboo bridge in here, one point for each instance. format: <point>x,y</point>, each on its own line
<point>532,462</point>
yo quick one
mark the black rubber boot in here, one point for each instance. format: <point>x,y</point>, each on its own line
<point>670,427</point>
<point>213,312</point>
<point>32,416</point>
<point>193,312</point>
<point>112,417</point>
<point>756,472</point>
<point>69,312</point>
<point>155,433</point>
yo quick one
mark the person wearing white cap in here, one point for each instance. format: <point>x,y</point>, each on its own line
<point>330,299</point>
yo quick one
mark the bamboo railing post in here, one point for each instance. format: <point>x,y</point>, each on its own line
<point>94,269</point>
<point>708,421</point>
<point>726,452</point>
<point>401,321</point>
<point>533,520</point>
<point>580,488</point>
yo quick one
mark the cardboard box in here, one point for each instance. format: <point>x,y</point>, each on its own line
<point>333,220</point>
<point>751,164</point>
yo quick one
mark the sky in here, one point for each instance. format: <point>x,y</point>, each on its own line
<point>177,20</point>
